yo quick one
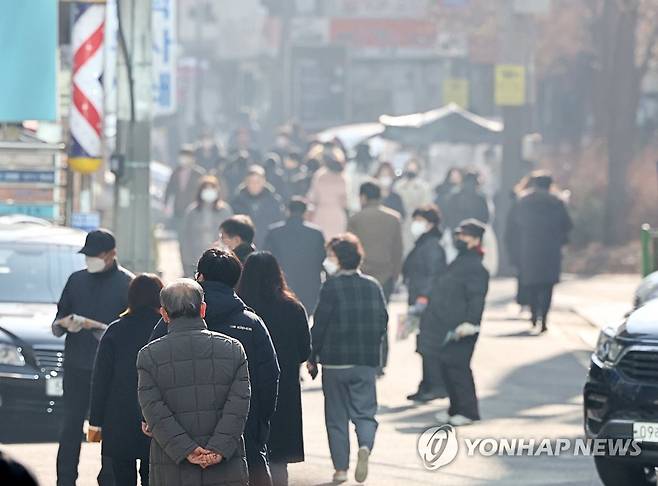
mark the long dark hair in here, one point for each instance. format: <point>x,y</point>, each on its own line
<point>144,293</point>
<point>263,282</point>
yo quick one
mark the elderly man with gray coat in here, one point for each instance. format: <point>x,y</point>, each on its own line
<point>194,393</point>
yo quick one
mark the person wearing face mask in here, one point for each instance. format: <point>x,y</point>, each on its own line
<point>349,326</point>
<point>415,192</point>
<point>237,235</point>
<point>182,186</point>
<point>385,174</point>
<point>99,293</point>
<point>201,222</point>
<point>421,268</point>
<point>450,325</point>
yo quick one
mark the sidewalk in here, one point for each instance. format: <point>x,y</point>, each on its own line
<point>600,300</point>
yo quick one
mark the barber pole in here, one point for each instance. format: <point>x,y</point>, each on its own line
<point>88,36</point>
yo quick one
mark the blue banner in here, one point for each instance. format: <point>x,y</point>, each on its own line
<point>28,36</point>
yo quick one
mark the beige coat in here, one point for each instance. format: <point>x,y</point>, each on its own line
<point>328,195</point>
<point>380,232</point>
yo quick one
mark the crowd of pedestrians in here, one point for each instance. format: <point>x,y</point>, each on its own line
<point>215,397</point>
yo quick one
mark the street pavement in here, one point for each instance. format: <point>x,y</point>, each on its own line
<point>529,387</point>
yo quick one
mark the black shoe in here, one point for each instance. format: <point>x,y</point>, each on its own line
<point>426,397</point>
<point>543,328</point>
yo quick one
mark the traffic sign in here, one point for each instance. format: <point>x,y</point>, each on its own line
<point>510,85</point>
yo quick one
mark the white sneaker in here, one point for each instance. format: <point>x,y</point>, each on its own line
<point>361,472</point>
<point>340,477</point>
<point>442,417</point>
<point>459,420</point>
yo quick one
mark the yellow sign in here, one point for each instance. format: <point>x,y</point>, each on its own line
<point>456,90</point>
<point>510,89</point>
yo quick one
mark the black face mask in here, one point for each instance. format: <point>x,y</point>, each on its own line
<point>461,246</point>
<point>411,175</point>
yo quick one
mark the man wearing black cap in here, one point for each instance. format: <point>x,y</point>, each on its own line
<point>98,294</point>
<point>450,326</point>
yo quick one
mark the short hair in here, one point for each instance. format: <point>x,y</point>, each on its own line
<point>182,298</point>
<point>348,249</point>
<point>187,149</point>
<point>144,292</point>
<point>240,225</point>
<point>541,179</point>
<point>429,212</point>
<point>297,205</point>
<point>220,266</point>
<point>371,191</point>
<point>256,170</point>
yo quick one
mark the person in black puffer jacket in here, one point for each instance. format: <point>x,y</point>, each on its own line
<point>451,323</point>
<point>425,263</point>
<point>218,272</point>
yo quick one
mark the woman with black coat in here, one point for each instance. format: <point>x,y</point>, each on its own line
<point>425,263</point>
<point>115,416</point>
<point>263,288</point>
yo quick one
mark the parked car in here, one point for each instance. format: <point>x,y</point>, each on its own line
<point>621,396</point>
<point>36,259</point>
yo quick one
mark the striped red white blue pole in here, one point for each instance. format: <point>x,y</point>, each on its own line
<point>86,123</point>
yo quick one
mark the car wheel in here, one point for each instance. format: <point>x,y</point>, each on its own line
<point>615,473</point>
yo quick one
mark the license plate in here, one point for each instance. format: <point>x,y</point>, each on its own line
<point>55,387</point>
<point>645,432</point>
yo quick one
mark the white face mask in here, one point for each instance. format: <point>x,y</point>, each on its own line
<point>386,181</point>
<point>209,195</point>
<point>418,228</point>
<point>94,264</point>
<point>330,266</point>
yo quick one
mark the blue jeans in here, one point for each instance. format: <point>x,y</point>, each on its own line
<point>350,394</point>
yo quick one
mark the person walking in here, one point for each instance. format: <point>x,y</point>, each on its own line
<point>219,272</point>
<point>425,263</point>
<point>350,323</point>
<point>385,176</point>
<point>96,295</point>
<point>236,171</point>
<point>380,232</point>
<point>415,192</point>
<point>468,202</point>
<point>450,325</point>
<point>537,229</point>
<point>328,194</point>
<point>258,201</point>
<point>237,234</point>
<point>263,288</point>
<point>201,222</point>
<point>194,392</point>
<point>451,184</point>
<point>182,187</point>
<point>115,416</point>
<point>299,248</point>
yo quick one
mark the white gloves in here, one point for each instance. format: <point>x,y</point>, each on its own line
<point>466,329</point>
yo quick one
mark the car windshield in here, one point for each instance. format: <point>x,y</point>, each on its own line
<point>35,273</point>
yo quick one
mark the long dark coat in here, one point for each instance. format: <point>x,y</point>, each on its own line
<point>466,203</point>
<point>264,210</point>
<point>537,228</point>
<point>299,249</point>
<point>288,326</point>
<point>114,405</point>
<point>423,265</point>
<point>457,297</point>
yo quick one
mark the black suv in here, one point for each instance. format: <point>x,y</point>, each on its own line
<point>621,396</point>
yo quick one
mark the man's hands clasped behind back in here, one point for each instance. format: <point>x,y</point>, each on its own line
<point>204,458</point>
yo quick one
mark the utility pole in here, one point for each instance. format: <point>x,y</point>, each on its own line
<point>515,54</point>
<point>133,151</point>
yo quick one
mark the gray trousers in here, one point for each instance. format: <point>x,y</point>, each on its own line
<point>350,394</point>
